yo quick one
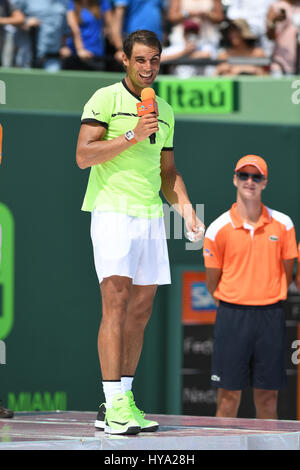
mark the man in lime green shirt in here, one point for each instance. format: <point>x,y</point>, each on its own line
<point>129,242</point>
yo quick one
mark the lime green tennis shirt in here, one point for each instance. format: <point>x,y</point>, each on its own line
<point>131,181</point>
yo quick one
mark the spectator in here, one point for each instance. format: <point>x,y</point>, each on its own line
<point>9,15</point>
<point>283,22</point>
<point>241,43</point>
<point>186,50</point>
<point>131,15</point>
<point>208,14</point>
<point>254,12</point>
<point>40,39</point>
<point>85,48</point>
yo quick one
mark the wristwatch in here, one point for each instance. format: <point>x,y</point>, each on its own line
<point>129,135</point>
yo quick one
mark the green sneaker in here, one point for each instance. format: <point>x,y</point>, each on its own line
<point>119,419</point>
<point>145,424</point>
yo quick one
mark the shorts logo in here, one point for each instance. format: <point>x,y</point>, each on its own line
<point>215,378</point>
<point>273,238</point>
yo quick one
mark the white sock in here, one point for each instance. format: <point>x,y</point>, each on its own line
<point>126,383</point>
<point>111,388</point>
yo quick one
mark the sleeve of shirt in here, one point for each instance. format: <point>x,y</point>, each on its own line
<point>98,108</point>
<point>8,8</point>
<point>17,5</point>
<point>212,251</point>
<point>71,6</point>
<point>105,5</point>
<point>121,3</point>
<point>289,246</point>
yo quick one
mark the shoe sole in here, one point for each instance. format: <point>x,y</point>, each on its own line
<point>150,428</point>
<point>131,430</point>
<point>101,425</point>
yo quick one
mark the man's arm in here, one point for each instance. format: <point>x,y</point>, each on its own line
<point>109,26</point>
<point>75,29</point>
<point>117,30</point>
<point>213,276</point>
<point>289,269</point>
<point>272,18</point>
<point>174,190</point>
<point>93,150</point>
<point>216,15</point>
<point>16,18</point>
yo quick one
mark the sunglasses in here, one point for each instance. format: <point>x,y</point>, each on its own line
<point>256,178</point>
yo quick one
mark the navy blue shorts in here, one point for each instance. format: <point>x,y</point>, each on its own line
<point>249,347</point>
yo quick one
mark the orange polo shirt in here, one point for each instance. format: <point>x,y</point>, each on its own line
<point>250,257</point>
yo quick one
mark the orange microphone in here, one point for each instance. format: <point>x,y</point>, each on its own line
<point>148,105</point>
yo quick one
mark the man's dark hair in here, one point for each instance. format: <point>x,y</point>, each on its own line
<point>141,36</point>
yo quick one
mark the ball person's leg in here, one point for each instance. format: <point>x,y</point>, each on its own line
<point>265,403</point>
<point>228,402</point>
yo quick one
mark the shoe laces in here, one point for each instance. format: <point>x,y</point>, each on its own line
<point>135,408</point>
<point>124,409</point>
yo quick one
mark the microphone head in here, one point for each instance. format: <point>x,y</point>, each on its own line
<point>147,94</point>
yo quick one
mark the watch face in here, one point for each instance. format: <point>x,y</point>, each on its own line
<point>129,135</point>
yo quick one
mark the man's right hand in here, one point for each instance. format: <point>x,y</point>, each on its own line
<point>147,125</point>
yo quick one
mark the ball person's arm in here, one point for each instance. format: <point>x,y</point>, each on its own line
<point>213,276</point>
<point>297,279</point>
<point>174,190</point>
<point>93,150</point>
<point>289,269</point>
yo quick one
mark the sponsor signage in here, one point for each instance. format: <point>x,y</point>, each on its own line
<point>199,96</point>
<point>197,347</point>
<point>37,401</point>
<point>6,271</point>
<point>198,397</point>
<point>198,306</point>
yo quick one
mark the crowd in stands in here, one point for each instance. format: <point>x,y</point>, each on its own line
<point>199,37</point>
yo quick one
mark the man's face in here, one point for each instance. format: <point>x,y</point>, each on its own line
<point>247,188</point>
<point>142,67</point>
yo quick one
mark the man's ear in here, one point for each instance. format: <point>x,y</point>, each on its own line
<point>234,180</point>
<point>125,60</point>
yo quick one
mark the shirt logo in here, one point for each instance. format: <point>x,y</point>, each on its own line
<point>273,238</point>
<point>207,252</point>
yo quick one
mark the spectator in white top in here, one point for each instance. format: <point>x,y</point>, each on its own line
<point>254,12</point>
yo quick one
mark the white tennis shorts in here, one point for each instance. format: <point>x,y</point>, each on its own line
<point>130,246</point>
